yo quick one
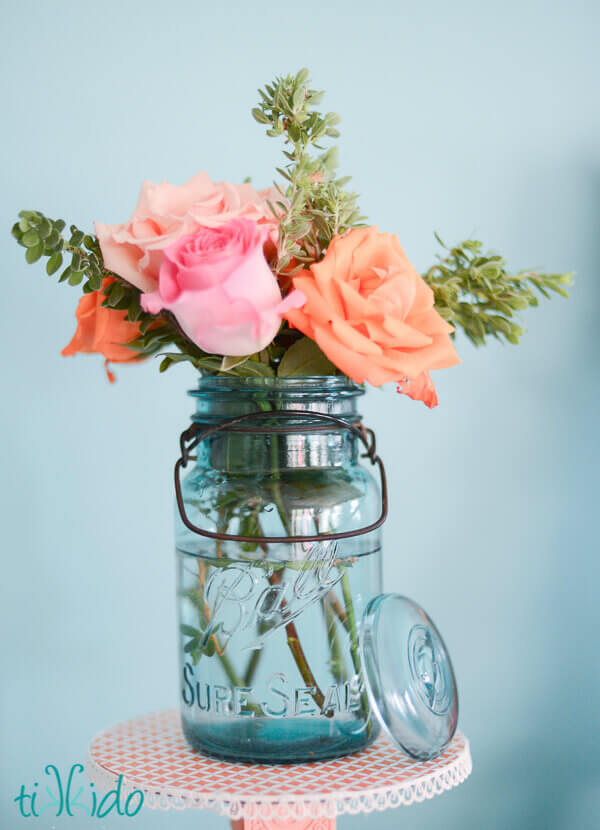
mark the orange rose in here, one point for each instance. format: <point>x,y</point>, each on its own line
<point>373,315</point>
<point>102,330</point>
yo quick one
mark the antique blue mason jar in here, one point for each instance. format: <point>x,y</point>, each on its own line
<point>269,630</point>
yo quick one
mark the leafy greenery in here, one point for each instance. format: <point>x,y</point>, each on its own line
<point>41,236</point>
<point>475,291</point>
<point>314,206</point>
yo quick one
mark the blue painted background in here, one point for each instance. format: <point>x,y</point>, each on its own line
<point>468,118</point>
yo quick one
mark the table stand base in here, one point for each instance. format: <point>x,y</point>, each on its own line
<point>151,753</point>
<point>283,824</point>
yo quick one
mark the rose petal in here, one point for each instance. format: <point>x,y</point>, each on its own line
<point>353,339</point>
<point>420,389</point>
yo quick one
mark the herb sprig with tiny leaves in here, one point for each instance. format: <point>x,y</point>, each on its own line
<point>474,291</point>
<point>314,205</point>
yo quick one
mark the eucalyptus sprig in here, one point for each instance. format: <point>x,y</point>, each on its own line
<point>476,292</point>
<point>314,206</point>
<point>41,236</point>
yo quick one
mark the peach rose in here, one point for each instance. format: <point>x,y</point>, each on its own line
<point>165,212</point>
<point>373,315</point>
<point>102,330</point>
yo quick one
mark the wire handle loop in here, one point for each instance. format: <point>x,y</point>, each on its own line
<point>195,434</point>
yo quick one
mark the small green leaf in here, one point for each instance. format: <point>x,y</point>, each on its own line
<point>134,311</point>
<point>30,239</point>
<point>44,228</point>
<point>259,116</point>
<point>52,240</point>
<point>210,648</point>
<point>299,97</point>
<point>189,631</point>
<point>95,280</point>
<point>558,290</point>
<point>305,358</point>
<point>254,368</point>
<point>33,254</point>
<point>116,294</point>
<point>229,362</point>
<point>54,264</point>
<point>75,277</point>
<point>146,322</point>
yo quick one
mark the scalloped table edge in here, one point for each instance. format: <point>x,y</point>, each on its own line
<point>314,811</point>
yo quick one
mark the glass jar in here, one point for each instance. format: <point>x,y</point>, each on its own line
<point>269,630</point>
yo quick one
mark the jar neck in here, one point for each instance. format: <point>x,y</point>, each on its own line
<point>219,399</point>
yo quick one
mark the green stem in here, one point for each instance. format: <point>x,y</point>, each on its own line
<point>204,620</point>
<point>331,609</point>
<point>252,666</point>
<point>295,647</point>
<point>351,617</point>
<point>338,668</point>
<point>337,609</point>
<point>354,651</point>
<point>228,667</point>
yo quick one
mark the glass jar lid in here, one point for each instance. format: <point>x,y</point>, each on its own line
<point>409,676</point>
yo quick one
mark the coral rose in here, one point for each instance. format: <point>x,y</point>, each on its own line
<point>102,330</point>
<point>373,315</point>
<point>165,212</point>
<point>221,289</point>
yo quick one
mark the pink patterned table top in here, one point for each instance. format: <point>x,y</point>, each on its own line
<point>151,754</point>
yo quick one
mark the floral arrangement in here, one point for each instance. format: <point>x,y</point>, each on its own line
<point>278,282</point>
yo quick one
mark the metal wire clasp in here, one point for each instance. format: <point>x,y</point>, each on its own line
<point>193,435</point>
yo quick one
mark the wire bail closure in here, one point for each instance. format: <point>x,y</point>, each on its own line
<point>194,435</point>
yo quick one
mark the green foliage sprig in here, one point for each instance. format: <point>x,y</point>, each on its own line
<point>314,206</point>
<point>475,291</point>
<point>44,237</point>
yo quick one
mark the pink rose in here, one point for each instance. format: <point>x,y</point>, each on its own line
<point>221,290</point>
<point>165,212</point>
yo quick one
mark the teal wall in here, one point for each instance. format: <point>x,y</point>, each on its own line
<point>470,118</point>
